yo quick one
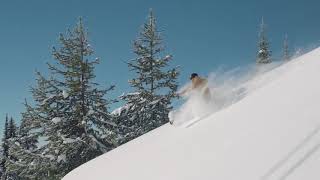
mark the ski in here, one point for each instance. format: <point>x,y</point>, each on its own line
<point>195,121</point>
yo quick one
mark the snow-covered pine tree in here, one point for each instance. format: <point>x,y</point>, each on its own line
<point>5,149</point>
<point>154,87</point>
<point>28,163</point>
<point>12,135</point>
<point>27,134</point>
<point>7,156</point>
<point>80,127</point>
<point>70,113</point>
<point>12,128</point>
<point>286,54</point>
<point>264,54</point>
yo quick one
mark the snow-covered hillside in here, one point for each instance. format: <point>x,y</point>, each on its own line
<point>273,133</point>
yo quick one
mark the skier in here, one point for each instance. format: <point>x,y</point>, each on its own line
<point>199,85</point>
<point>200,97</point>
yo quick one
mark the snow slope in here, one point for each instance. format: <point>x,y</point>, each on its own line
<point>273,133</point>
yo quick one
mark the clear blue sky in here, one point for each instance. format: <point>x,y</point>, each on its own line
<point>201,36</point>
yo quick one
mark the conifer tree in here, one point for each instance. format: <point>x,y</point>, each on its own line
<point>286,54</point>
<point>154,86</point>
<point>28,162</point>
<point>79,126</point>
<point>12,128</point>
<point>69,111</point>
<point>5,149</point>
<point>28,138</point>
<point>7,155</point>
<point>264,54</point>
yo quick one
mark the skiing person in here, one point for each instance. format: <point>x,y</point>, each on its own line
<point>199,99</point>
<point>198,84</point>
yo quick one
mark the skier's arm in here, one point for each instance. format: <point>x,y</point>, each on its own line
<point>184,91</point>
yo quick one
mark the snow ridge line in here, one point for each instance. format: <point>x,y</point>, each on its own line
<point>277,167</point>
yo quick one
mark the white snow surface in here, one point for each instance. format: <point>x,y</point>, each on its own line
<point>65,94</point>
<point>118,111</point>
<point>61,157</point>
<point>261,51</point>
<point>56,120</point>
<point>272,133</point>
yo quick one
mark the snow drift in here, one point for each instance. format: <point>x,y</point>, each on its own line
<point>272,133</point>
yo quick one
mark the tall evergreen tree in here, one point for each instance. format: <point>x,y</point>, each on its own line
<point>286,54</point>
<point>12,128</point>
<point>83,126</point>
<point>70,113</point>
<point>5,149</point>
<point>79,127</point>
<point>28,139</point>
<point>264,54</point>
<point>154,87</point>
<point>7,155</point>
<point>28,163</point>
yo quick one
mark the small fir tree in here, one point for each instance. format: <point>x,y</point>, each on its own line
<point>264,54</point>
<point>286,53</point>
<point>7,155</point>
<point>5,149</point>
